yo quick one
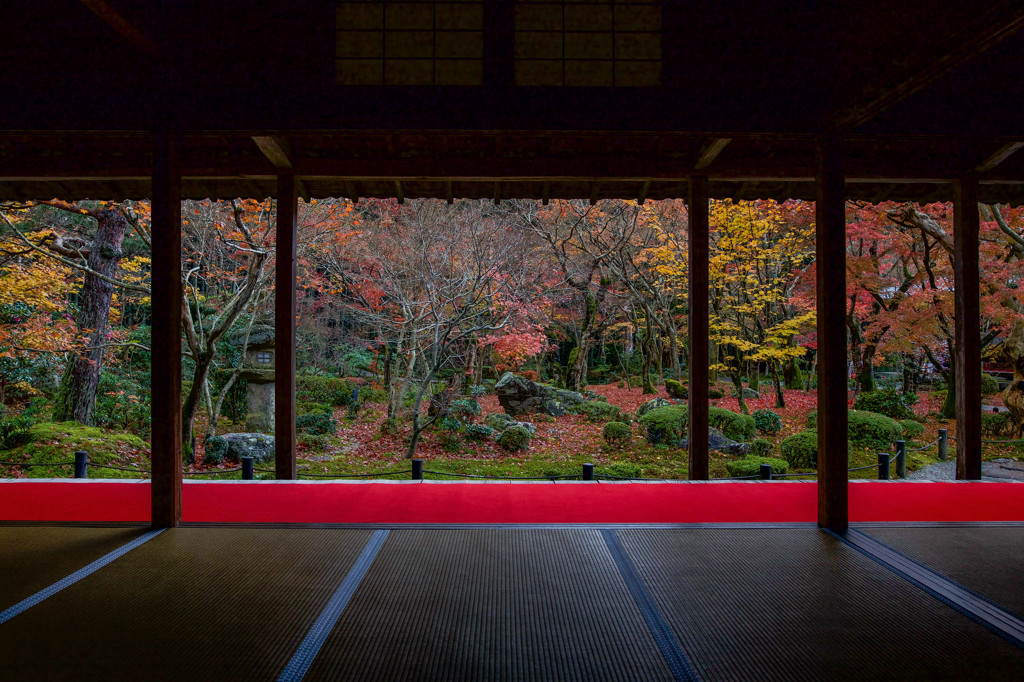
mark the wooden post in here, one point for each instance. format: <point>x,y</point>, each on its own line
<point>166,332</point>
<point>284,329</point>
<point>966,293</point>
<point>697,209</point>
<point>833,494</point>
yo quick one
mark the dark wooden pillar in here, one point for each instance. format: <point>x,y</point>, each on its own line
<point>833,497</point>
<point>284,329</point>
<point>697,210</point>
<point>166,332</point>
<point>966,292</point>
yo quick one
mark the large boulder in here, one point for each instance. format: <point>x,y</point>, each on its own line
<point>259,446</point>
<point>519,396</point>
<point>718,441</point>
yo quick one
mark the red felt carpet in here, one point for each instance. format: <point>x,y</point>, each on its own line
<point>429,502</point>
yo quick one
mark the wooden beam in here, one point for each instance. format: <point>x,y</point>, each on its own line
<point>278,151</point>
<point>350,189</point>
<point>448,193</point>
<point>995,22</point>
<point>967,326</point>
<point>167,459</point>
<point>595,189</point>
<point>833,484</point>
<point>710,151</point>
<point>697,363</point>
<point>1000,155</point>
<point>399,192</point>
<point>125,28</point>
<point>641,196</point>
<point>284,329</point>
<point>545,193</point>
<point>497,192</point>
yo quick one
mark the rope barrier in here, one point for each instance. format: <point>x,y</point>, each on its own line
<point>36,464</point>
<point>107,466</point>
<point>212,472</point>
<point>923,447</point>
<point>507,478</point>
<point>369,475</point>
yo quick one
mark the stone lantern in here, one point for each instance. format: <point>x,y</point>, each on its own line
<point>259,374</point>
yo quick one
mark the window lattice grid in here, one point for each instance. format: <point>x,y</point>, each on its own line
<point>416,42</point>
<point>588,43</point>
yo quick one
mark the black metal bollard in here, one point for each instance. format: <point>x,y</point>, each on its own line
<point>901,459</point>
<point>355,395</point>
<point>943,444</point>
<point>81,464</point>
<point>766,472</point>
<point>588,472</point>
<point>883,466</point>
<point>247,468</point>
<point>417,470</point>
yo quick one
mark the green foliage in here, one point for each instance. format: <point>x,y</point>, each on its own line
<point>665,425</point>
<point>996,423</point>
<point>617,432</point>
<point>449,424</point>
<point>479,432</point>
<point>368,394</point>
<point>57,442</point>
<point>314,441</point>
<point>356,359</point>
<point>801,450</point>
<point>329,390</point>
<point>989,385</point>
<point>873,430</point>
<point>316,423</point>
<point>466,409</point>
<point>498,420</point>
<point>15,431</point>
<point>313,408</point>
<point>715,394</point>
<point>812,420</point>
<point>477,391</point>
<point>767,421</point>
<point>122,404</point>
<point>739,427</point>
<point>216,448</point>
<point>761,447</point>
<point>596,411</point>
<point>911,429</point>
<point>635,381</point>
<point>676,389</point>
<point>514,438</point>
<point>751,466</point>
<point>887,401</point>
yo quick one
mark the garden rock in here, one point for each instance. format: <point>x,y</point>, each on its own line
<point>529,426</point>
<point>519,396</point>
<point>259,446</point>
<point>749,394</point>
<point>718,441</point>
<point>651,405</point>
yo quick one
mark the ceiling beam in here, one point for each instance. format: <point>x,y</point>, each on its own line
<point>278,151</point>
<point>641,196</point>
<point>710,151</point>
<point>995,22</point>
<point>124,28</point>
<point>1000,155</point>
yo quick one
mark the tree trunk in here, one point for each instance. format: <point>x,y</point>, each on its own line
<point>866,374</point>
<point>780,398</point>
<point>76,396</point>
<point>948,409</point>
<point>792,374</point>
<point>754,375</point>
<point>1013,395</point>
<point>645,376</point>
<point>576,377</point>
<point>737,381</point>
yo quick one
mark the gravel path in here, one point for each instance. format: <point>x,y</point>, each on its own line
<point>996,470</point>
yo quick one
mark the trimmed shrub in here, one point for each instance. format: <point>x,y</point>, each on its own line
<point>996,423</point>
<point>514,438</point>
<point>801,450</point>
<point>479,432</point>
<point>715,394</point>
<point>761,447</point>
<point>15,431</point>
<point>665,425</point>
<point>465,409</point>
<point>652,404</point>
<point>812,420</point>
<point>215,448</point>
<point>635,381</point>
<point>875,430</point>
<point>477,391</point>
<point>498,420</point>
<point>369,394</point>
<point>739,427</point>
<point>887,401</point>
<point>751,466</point>
<point>596,412</point>
<point>329,390</point>
<point>316,423</point>
<point>989,384</point>
<point>767,421</point>
<point>313,408</point>
<point>617,432</point>
<point>676,389</point>
<point>911,429</point>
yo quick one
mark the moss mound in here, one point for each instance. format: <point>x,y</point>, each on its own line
<point>57,442</point>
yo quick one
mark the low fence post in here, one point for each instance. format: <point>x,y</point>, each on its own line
<point>883,466</point>
<point>765,472</point>
<point>588,472</point>
<point>901,459</point>
<point>81,464</point>
<point>247,468</point>
<point>943,444</point>
<point>417,470</point>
